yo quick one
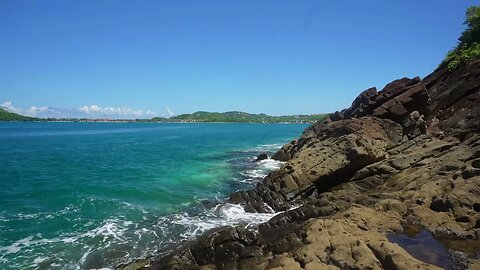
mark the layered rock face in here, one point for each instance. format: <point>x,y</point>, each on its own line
<point>408,154</point>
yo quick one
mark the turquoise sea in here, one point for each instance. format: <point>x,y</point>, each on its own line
<point>92,195</point>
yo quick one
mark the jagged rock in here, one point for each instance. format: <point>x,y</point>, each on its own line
<point>340,149</point>
<point>286,152</point>
<point>413,98</point>
<point>409,153</point>
<point>362,105</point>
<point>395,102</point>
<point>261,157</point>
<point>353,239</point>
<point>398,99</point>
<point>454,98</point>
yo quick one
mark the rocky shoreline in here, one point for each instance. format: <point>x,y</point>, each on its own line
<point>405,157</point>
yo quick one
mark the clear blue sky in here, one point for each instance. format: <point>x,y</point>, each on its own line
<point>271,56</point>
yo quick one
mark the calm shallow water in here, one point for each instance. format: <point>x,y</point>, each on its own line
<point>80,195</point>
<point>423,246</point>
<point>434,249</point>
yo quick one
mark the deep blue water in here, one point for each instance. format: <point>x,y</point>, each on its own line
<point>80,195</point>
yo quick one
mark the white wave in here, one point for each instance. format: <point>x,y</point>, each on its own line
<point>269,147</point>
<point>37,261</point>
<point>110,229</point>
<point>142,235</point>
<point>270,164</point>
<point>143,232</point>
<point>235,214</point>
<point>24,243</point>
<point>21,216</point>
<point>255,174</point>
<point>45,215</point>
<point>84,256</point>
<point>225,214</point>
<point>17,245</point>
<point>263,148</point>
<point>128,205</point>
<point>40,259</point>
<point>262,169</point>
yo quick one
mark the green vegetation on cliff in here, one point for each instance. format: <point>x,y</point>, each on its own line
<point>239,117</point>
<point>8,116</point>
<point>468,48</point>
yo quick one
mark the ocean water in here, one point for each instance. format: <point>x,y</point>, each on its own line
<point>93,195</point>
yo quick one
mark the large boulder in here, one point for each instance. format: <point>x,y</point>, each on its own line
<point>340,149</point>
<point>455,99</point>
<point>261,157</point>
<point>396,102</point>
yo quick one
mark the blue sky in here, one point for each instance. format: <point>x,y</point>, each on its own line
<point>138,58</point>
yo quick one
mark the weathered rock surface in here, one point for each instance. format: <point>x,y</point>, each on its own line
<point>340,149</point>
<point>455,100</point>
<point>408,154</point>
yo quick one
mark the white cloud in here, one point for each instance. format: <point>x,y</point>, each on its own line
<point>170,112</point>
<point>106,112</point>
<point>35,111</point>
<point>87,111</point>
<point>8,105</point>
<point>90,109</point>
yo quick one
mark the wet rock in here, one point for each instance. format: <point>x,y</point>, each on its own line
<point>261,157</point>
<point>93,260</point>
<point>286,152</point>
<point>339,151</point>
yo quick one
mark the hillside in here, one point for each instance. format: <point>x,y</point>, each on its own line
<point>201,116</point>
<point>240,117</point>
<point>8,116</point>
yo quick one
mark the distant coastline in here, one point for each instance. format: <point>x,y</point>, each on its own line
<point>196,117</point>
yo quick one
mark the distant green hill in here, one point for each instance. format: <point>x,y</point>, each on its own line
<point>201,116</point>
<point>8,116</point>
<point>239,117</point>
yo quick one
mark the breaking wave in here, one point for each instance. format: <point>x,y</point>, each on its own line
<point>136,231</point>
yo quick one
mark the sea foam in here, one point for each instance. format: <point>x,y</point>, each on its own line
<point>134,231</point>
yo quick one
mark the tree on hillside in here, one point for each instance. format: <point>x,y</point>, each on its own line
<point>472,33</point>
<point>468,47</point>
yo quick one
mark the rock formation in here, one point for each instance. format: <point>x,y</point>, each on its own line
<point>408,154</point>
<point>261,157</point>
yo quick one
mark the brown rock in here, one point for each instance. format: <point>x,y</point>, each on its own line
<point>409,153</point>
